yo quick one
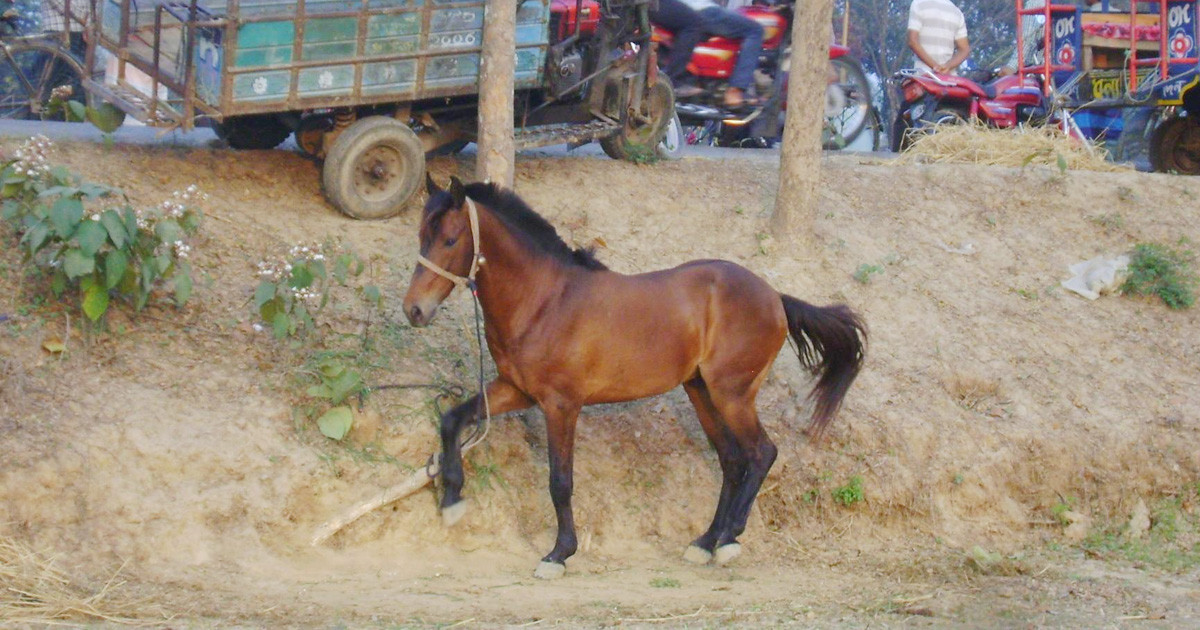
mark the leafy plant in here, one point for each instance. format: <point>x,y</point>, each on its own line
<point>106,117</point>
<point>295,287</point>
<point>67,230</point>
<point>850,493</point>
<point>665,582</point>
<point>1160,270</point>
<point>865,271</point>
<point>336,383</point>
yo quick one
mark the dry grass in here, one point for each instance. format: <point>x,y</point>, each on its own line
<point>33,591</point>
<point>978,144</point>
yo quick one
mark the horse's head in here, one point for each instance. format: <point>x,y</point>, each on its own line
<point>447,242</point>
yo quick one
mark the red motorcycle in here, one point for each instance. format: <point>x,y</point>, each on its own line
<point>848,95</point>
<point>1005,102</point>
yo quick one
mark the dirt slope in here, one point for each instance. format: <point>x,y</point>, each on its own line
<point>171,446</point>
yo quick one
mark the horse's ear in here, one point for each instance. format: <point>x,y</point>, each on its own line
<point>458,192</point>
<point>431,187</point>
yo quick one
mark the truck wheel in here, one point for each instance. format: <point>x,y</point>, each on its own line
<point>1175,146</point>
<point>264,131</point>
<point>373,168</point>
<point>638,139</point>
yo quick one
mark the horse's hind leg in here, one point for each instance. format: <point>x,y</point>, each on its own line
<point>502,397</point>
<point>741,421</point>
<point>561,417</point>
<point>733,468</point>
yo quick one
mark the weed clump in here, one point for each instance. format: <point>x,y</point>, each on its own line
<point>1160,270</point>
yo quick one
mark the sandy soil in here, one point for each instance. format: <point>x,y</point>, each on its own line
<point>173,449</point>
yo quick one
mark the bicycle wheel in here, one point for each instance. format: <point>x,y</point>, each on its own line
<point>29,70</point>
<point>848,101</point>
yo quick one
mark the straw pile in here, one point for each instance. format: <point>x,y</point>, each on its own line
<point>1023,146</point>
<point>33,591</point>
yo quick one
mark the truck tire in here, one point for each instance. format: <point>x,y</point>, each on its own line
<point>373,168</point>
<point>638,141</point>
<point>259,132</point>
<point>1175,146</point>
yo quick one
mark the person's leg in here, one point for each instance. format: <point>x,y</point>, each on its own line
<point>737,26</point>
<point>686,25</point>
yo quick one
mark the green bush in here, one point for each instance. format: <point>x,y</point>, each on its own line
<point>1160,270</point>
<point>295,287</point>
<point>89,239</point>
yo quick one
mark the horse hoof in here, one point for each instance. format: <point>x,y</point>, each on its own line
<point>453,513</point>
<point>549,570</point>
<point>697,555</point>
<point>726,553</point>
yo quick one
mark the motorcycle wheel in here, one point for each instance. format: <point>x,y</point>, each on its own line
<point>848,117</point>
<point>1175,146</point>
<point>899,137</point>
<point>671,147</point>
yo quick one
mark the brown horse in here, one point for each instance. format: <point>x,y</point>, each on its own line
<point>567,332</point>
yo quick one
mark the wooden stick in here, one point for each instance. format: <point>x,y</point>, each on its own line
<point>418,480</point>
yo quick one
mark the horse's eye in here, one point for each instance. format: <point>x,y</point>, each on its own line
<point>451,241</point>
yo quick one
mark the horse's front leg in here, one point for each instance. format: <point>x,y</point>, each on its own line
<point>561,417</point>
<point>502,398</point>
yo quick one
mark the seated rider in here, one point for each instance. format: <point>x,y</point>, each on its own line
<point>725,23</point>
<point>687,26</point>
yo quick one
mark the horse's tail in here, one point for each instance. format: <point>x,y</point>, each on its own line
<point>831,342</point>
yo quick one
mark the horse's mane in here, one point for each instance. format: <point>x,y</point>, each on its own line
<point>516,214</point>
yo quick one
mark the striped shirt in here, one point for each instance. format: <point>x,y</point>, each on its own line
<point>938,24</point>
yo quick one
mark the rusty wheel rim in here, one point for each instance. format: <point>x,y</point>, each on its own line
<point>379,173</point>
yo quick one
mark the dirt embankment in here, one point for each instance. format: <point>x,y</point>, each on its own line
<point>993,401</point>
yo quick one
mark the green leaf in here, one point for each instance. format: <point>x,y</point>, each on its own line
<point>281,325</point>
<point>1062,164</point>
<point>78,111</point>
<point>111,220</point>
<point>65,214</point>
<point>168,231</point>
<point>91,235</point>
<point>58,283</point>
<point>76,263</point>
<point>302,277</point>
<point>371,294</point>
<point>183,284</point>
<point>348,383</point>
<point>61,175</point>
<point>270,308</point>
<point>264,293</point>
<point>35,237</point>
<point>106,117</point>
<point>95,301</point>
<point>95,191</point>
<point>336,422</point>
<point>115,264</point>
<point>320,391</point>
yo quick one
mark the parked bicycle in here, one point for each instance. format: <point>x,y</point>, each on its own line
<point>32,66</point>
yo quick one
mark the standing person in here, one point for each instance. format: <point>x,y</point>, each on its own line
<point>687,27</point>
<point>731,24</point>
<point>937,35</point>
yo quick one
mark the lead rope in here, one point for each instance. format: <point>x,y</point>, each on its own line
<point>433,465</point>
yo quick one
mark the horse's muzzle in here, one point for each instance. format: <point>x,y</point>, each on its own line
<point>418,317</point>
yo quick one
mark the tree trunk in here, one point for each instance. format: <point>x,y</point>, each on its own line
<point>495,161</point>
<point>800,157</point>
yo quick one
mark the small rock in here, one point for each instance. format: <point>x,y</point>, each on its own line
<point>1139,521</point>
<point>1080,524</point>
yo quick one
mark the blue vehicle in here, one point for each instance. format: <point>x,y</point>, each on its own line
<point>1104,61</point>
<point>371,86</point>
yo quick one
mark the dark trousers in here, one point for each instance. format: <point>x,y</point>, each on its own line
<point>687,26</point>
